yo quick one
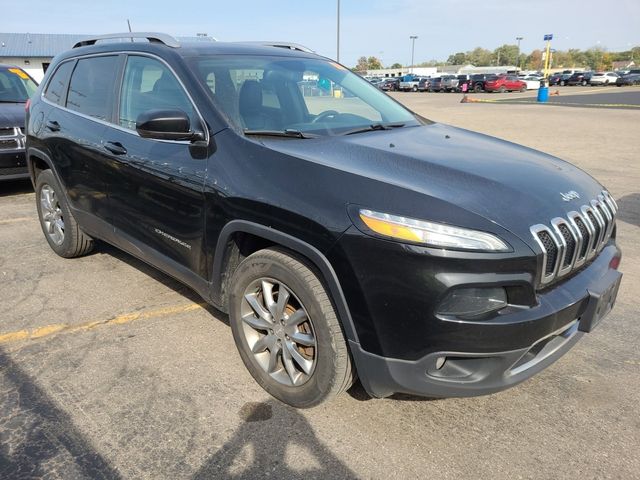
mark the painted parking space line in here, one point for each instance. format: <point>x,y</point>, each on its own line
<point>16,220</point>
<point>51,330</point>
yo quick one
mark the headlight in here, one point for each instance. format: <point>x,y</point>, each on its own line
<point>431,233</point>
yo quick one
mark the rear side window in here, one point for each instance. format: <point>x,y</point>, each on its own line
<point>150,85</point>
<point>91,86</point>
<point>58,84</point>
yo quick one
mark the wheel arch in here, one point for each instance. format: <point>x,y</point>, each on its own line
<point>240,238</point>
<point>38,161</point>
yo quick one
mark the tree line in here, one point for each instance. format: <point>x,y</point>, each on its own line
<point>596,58</point>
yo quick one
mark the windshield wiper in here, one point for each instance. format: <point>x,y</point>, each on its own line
<point>374,126</point>
<point>288,132</point>
<point>12,101</point>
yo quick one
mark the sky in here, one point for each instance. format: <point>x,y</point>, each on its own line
<point>378,28</point>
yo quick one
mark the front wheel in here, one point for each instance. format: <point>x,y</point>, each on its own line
<point>62,232</point>
<point>415,89</point>
<point>502,90</point>
<point>584,83</point>
<point>562,83</point>
<point>286,329</point>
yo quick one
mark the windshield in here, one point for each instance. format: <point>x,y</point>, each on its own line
<point>308,95</point>
<point>15,85</point>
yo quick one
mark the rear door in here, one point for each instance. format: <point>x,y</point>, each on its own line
<point>156,191</point>
<point>81,95</point>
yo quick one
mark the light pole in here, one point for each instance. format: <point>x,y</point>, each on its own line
<point>413,48</point>
<point>518,59</point>
<point>338,35</point>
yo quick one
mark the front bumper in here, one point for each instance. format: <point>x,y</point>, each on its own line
<point>524,342</point>
<point>13,165</point>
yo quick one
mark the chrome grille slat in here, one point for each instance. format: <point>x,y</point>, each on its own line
<point>572,241</point>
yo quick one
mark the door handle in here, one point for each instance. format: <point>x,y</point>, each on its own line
<point>116,148</point>
<point>53,126</point>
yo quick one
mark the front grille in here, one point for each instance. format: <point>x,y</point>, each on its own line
<point>551,249</point>
<point>11,139</point>
<point>571,244</point>
<point>586,237</point>
<point>567,243</point>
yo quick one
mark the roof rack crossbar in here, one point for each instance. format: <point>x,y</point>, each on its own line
<point>288,45</point>
<point>153,37</point>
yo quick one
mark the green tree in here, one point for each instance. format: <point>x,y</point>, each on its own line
<point>396,65</point>
<point>362,64</point>
<point>479,56</point>
<point>506,55</point>
<point>459,58</point>
<point>534,60</point>
<point>374,63</point>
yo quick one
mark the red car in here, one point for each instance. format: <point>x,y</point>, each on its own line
<point>504,83</point>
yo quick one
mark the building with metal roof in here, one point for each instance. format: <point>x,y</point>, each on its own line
<point>33,52</point>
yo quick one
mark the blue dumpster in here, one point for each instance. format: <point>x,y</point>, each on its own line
<point>543,91</point>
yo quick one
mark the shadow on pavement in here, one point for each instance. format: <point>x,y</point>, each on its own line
<point>629,209</point>
<point>37,438</point>
<point>161,277</point>
<point>274,441</point>
<point>15,187</point>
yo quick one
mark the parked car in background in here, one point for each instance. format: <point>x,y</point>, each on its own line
<point>423,84</point>
<point>579,78</point>
<point>559,79</point>
<point>505,83</point>
<point>603,78</point>
<point>476,82</point>
<point>628,79</point>
<point>435,84</point>
<point>409,83</point>
<point>462,80</point>
<point>390,84</point>
<point>449,83</point>
<point>16,86</point>
<point>532,82</point>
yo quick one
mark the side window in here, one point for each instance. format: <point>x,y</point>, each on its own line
<point>91,86</point>
<point>58,84</point>
<point>149,85</point>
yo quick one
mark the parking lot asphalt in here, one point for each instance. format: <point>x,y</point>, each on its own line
<point>110,369</point>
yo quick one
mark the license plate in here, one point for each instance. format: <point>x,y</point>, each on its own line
<point>600,304</point>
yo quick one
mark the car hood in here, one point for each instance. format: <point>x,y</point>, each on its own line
<point>508,184</point>
<point>12,115</point>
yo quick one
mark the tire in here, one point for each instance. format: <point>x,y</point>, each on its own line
<point>414,89</point>
<point>502,89</point>
<point>523,89</point>
<point>584,83</point>
<point>62,232</point>
<point>562,83</point>
<point>477,88</point>
<point>321,368</point>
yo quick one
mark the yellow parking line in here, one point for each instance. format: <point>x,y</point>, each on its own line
<point>49,330</point>
<point>16,220</point>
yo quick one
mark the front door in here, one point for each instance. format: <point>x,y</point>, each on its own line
<point>156,188</point>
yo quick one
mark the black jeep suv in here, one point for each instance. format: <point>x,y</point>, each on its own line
<point>16,86</point>
<point>342,233</point>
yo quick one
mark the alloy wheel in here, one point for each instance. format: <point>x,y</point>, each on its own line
<point>52,218</point>
<point>279,332</point>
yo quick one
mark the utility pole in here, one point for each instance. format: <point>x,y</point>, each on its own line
<point>519,39</point>
<point>338,35</point>
<point>413,47</point>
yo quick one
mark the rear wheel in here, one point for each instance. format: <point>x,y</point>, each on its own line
<point>414,89</point>
<point>523,89</point>
<point>286,329</point>
<point>477,88</point>
<point>502,89</point>
<point>64,235</point>
<point>562,83</point>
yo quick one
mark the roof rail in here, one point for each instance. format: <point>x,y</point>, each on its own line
<point>288,45</point>
<point>162,38</point>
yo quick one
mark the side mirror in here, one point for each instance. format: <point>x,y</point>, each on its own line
<point>165,125</point>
